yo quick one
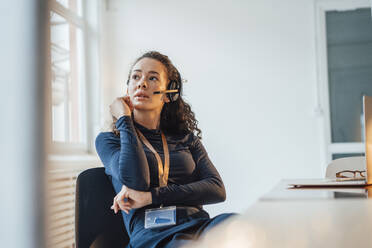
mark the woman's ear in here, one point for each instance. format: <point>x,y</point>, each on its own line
<point>127,93</point>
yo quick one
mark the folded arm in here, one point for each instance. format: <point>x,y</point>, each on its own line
<point>124,158</point>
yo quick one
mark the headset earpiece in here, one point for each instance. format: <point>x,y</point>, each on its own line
<point>173,85</point>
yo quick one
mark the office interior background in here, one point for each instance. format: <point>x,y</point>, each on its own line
<point>276,87</point>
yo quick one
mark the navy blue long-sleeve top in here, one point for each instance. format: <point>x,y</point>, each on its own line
<point>193,180</point>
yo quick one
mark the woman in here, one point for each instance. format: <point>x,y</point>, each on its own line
<point>165,125</point>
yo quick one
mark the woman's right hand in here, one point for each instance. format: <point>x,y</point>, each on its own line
<point>121,201</point>
<point>128,198</point>
<point>121,106</point>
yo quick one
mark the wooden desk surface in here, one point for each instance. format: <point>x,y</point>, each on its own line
<point>317,220</point>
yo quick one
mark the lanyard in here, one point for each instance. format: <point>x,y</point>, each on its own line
<point>163,173</point>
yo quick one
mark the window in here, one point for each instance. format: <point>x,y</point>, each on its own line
<point>344,31</point>
<point>72,122</point>
<point>67,73</point>
<point>75,6</point>
<point>349,52</point>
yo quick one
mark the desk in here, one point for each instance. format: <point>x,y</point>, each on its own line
<point>299,218</point>
<point>282,192</point>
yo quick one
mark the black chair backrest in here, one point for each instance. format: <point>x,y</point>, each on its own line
<point>96,225</point>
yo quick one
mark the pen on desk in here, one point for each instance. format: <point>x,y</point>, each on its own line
<point>164,91</point>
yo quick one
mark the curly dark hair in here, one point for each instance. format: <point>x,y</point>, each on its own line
<point>176,117</point>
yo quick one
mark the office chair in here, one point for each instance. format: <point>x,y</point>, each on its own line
<point>348,163</point>
<point>96,225</point>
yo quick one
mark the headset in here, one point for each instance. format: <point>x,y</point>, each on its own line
<point>174,85</point>
<point>173,90</point>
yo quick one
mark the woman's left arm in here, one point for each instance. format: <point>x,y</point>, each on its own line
<point>208,189</point>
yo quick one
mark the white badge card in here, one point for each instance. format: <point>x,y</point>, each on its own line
<point>159,217</point>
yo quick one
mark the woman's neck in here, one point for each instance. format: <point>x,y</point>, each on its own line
<point>148,119</point>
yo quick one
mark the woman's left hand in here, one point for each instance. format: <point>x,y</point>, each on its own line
<point>135,199</point>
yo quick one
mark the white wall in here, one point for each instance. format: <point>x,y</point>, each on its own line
<point>251,71</point>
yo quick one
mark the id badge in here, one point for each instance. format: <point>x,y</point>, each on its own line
<point>159,217</point>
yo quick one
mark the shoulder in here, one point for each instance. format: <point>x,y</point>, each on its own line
<point>105,137</point>
<point>106,134</point>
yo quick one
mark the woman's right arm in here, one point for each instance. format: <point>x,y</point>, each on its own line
<point>124,160</point>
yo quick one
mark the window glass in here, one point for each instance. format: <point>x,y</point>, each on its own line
<point>67,81</point>
<point>345,155</point>
<point>73,5</point>
<point>349,46</point>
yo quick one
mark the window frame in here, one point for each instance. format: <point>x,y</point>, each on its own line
<point>323,106</point>
<point>87,23</point>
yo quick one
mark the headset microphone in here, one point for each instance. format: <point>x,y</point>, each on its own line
<point>164,91</point>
